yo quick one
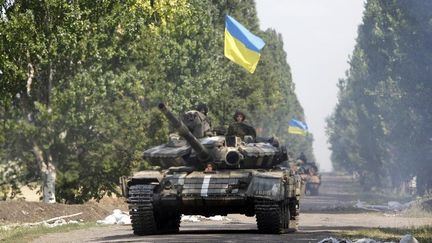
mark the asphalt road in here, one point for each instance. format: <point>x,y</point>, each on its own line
<point>190,232</point>
<point>321,216</point>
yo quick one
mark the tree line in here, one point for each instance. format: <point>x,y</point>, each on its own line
<point>81,81</point>
<point>381,127</point>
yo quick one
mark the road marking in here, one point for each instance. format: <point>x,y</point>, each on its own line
<point>205,185</point>
<point>181,179</point>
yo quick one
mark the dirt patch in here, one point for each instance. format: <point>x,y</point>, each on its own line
<point>28,212</point>
<point>111,203</point>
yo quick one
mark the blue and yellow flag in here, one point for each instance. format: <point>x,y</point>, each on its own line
<point>297,127</point>
<point>241,46</point>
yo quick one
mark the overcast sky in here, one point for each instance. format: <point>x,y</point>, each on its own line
<point>319,36</point>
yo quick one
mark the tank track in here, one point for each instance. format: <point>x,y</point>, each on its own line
<point>140,202</point>
<point>146,218</point>
<point>274,217</point>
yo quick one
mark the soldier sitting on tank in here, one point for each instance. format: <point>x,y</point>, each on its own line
<point>302,157</point>
<point>198,122</point>
<point>203,108</point>
<point>239,128</point>
<point>301,166</point>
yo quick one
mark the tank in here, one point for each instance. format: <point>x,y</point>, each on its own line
<point>203,172</point>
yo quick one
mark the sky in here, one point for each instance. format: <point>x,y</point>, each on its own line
<point>319,36</point>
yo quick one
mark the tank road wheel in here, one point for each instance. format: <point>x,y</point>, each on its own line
<point>140,202</point>
<point>272,217</point>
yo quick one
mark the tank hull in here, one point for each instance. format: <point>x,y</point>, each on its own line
<point>264,194</point>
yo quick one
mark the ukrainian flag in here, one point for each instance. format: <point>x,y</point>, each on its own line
<point>297,127</point>
<point>241,46</point>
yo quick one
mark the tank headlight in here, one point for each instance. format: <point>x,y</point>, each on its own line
<point>168,185</point>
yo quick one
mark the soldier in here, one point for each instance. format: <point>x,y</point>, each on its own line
<point>209,168</point>
<point>301,166</point>
<point>293,167</point>
<point>203,108</point>
<point>303,157</point>
<point>239,128</point>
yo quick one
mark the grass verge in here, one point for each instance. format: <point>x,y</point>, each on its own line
<point>27,234</point>
<point>422,234</point>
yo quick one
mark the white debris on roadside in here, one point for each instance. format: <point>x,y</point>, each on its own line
<point>199,218</point>
<point>189,218</point>
<point>219,218</point>
<point>59,222</point>
<point>405,239</point>
<point>408,239</point>
<point>391,206</point>
<point>335,240</point>
<point>117,217</point>
<point>49,224</point>
<point>366,240</point>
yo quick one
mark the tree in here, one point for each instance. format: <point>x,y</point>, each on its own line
<point>89,75</point>
<point>65,46</point>
<point>382,104</point>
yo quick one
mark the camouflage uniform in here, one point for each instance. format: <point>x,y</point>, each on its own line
<point>302,157</point>
<point>203,109</point>
<point>197,123</point>
<point>241,129</point>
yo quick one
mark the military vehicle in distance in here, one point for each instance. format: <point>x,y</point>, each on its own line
<point>207,174</point>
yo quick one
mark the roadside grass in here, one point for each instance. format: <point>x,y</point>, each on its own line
<point>383,197</point>
<point>375,195</point>
<point>29,233</point>
<point>380,196</point>
<point>417,212</point>
<point>422,234</point>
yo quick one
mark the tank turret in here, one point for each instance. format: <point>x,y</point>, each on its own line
<point>191,148</point>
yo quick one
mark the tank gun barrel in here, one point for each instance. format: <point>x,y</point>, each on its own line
<point>184,132</point>
<point>233,157</point>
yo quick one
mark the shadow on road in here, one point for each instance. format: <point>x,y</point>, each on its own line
<point>305,234</point>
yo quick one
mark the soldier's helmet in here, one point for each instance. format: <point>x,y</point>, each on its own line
<point>239,113</point>
<point>203,108</point>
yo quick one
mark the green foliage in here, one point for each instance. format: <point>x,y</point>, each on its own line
<point>82,81</point>
<point>381,127</point>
